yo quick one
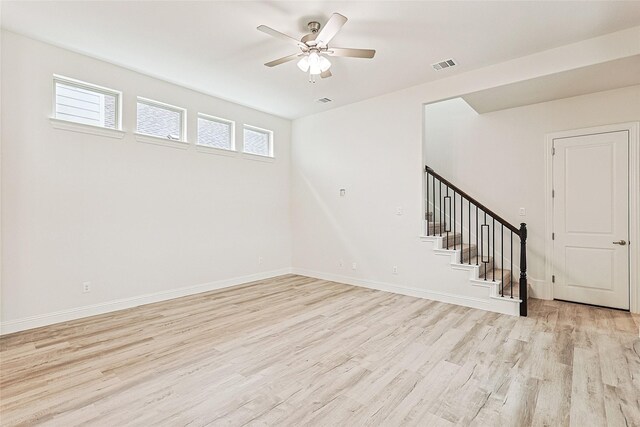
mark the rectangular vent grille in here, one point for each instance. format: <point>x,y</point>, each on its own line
<point>444,64</point>
<point>324,100</point>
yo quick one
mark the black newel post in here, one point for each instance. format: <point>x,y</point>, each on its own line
<point>523,269</point>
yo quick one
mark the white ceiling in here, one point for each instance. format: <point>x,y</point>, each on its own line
<point>214,46</point>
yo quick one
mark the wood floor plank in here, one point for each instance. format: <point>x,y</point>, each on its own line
<point>294,350</point>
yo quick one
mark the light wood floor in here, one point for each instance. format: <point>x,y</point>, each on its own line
<point>295,351</point>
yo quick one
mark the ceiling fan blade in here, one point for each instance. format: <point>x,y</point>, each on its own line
<point>326,74</point>
<point>330,29</point>
<point>351,53</point>
<point>281,36</point>
<point>283,60</point>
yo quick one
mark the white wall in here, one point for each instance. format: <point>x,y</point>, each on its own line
<point>133,218</point>
<point>374,149</point>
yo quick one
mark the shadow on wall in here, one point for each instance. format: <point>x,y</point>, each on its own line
<point>350,250</point>
<point>442,134</point>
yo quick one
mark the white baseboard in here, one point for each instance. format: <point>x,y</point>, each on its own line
<point>540,289</point>
<point>121,304</point>
<point>482,304</point>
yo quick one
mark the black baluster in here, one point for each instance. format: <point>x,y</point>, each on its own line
<point>454,220</point>
<point>478,248</point>
<point>493,249</point>
<point>469,204</point>
<point>511,276</point>
<point>433,183</point>
<point>502,258</point>
<point>486,263</point>
<point>461,228</point>
<point>447,225</point>
<point>427,170</point>
<point>440,203</point>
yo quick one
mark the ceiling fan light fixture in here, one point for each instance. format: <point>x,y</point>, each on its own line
<point>314,63</point>
<point>325,64</point>
<point>303,64</point>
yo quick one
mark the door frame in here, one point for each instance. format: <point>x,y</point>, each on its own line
<point>633,128</point>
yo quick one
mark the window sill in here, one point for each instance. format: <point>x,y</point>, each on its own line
<point>149,139</point>
<point>90,129</point>
<point>258,157</point>
<point>216,151</point>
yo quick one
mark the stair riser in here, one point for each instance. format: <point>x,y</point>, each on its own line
<point>488,267</point>
<point>469,254</point>
<point>497,277</point>
<point>435,229</point>
<point>449,240</point>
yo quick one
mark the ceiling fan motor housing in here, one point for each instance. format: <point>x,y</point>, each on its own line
<point>313,26</point>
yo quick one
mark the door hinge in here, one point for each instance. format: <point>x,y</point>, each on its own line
<point>553,193</point>
<point>553,279</point>
<point>553,236</point>
<point>553,151</point>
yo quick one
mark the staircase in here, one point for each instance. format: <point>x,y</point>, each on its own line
<point>477,240</point>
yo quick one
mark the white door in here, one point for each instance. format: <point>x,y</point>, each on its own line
<point>591,219</point>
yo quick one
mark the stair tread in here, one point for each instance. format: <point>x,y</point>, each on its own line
<point>475,257</point>
<point>497,273</point>
<point>458,245</point>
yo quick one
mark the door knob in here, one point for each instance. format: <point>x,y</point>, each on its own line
<point>620,242</point>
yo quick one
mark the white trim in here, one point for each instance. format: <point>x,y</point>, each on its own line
<point>87,86</point>
<point>544,287</point>
<point>154,103</point>
<point>156,140</point>
<point>232,134</point>
<point>492,304</point>
<point>258,157</point>
<point>260,130</point>
<point>121,304</point>
<point>84,128</point>
<point>540,289</point>
<point>216,151</point>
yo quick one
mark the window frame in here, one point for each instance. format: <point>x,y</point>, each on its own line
<point>163,105</point>
<point>232,136</point>
<point>57,78</point>
<point>268,132</point>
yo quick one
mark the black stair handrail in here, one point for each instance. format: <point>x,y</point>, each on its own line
<point>498,218</point>
<point>491,243</point>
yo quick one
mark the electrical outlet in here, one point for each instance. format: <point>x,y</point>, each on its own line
<point>343,192</point>
<point>86,287</point>
<point>399,210</point>
<point>354,266</point>
<point>260,260</point>
<point>523,212</point>
<point>395,269</point>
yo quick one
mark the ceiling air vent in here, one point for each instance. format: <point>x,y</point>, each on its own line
<point>444,64</point>
<point>324,100</point>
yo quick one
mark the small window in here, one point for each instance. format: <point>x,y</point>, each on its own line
<point>258,141</point>
<point>215,133</point>
<point>84,103</point>
<point>160,120</point>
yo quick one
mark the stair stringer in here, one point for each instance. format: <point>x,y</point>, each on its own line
<point>500,304</point>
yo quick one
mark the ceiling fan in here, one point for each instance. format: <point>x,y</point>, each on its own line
<point>315,47</point>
